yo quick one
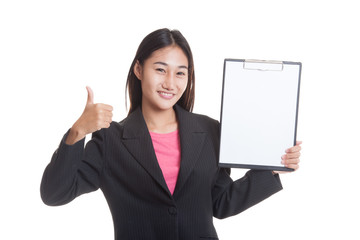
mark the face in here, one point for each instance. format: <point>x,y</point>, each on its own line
<point>164,77</point>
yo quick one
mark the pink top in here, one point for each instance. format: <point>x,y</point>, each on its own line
<point>167,150</point>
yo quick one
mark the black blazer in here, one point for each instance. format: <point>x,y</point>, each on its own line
<point>121,161</point>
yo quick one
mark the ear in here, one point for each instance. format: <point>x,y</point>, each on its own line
<point>138,70</point>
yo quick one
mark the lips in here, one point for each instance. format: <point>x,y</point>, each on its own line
<point>166,95</point>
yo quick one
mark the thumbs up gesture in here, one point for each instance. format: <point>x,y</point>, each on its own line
<point>94,117</point>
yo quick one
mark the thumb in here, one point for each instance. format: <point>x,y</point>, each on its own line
<point>90,98</point>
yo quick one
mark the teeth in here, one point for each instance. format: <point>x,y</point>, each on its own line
<point>166,94</point>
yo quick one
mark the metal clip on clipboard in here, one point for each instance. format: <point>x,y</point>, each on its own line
<point>263,65</point>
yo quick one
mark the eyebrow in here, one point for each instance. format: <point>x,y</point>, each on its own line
<point>165,64</point>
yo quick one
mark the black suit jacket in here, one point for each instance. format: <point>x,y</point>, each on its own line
<point>121,161</point>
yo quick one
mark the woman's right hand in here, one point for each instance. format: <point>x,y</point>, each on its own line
<point>94,117</point>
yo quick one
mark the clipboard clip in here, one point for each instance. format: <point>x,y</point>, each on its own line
<point>263,65</point>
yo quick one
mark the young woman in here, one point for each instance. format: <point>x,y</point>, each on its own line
<point>158,168</point>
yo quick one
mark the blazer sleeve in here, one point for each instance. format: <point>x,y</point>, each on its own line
<point>232,197</point>
<point>73,170</point>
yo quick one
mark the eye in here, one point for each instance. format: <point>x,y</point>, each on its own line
<point>181,73</point>
<point>161,70</point>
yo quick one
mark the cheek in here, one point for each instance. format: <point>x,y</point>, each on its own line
<point>149,81</point>
<point>183,85</point>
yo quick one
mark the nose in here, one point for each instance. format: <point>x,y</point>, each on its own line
<point>169,81</point>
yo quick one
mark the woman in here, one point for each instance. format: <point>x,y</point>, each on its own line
<point>158,168</point>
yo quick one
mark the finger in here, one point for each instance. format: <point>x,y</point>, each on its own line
<point>104,125</point>
<point>293,166</point>
<point>108,119</point>
<point>104,107</point>
<point>291,155</point>
<point>106,114</point>
<point>290,161</point>
<point>103,116</point>
<point>90,98</point>
<point>296,148</point>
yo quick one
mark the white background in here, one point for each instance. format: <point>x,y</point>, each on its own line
<point>50,50</point>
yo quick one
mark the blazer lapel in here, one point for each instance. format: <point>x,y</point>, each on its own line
<point>192,139</point>
<point>137,140</point>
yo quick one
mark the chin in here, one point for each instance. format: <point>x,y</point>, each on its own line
<point>166,106</point>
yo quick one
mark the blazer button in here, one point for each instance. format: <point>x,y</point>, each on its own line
<point>172,211</point>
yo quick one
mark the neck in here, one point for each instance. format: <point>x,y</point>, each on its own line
<point>160,121</point>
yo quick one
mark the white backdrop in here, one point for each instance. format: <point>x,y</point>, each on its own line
<point>50,50</point>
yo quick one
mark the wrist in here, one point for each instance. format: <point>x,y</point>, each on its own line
<point>74,135</point>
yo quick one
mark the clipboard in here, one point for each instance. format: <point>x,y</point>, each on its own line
<point>259,112</point>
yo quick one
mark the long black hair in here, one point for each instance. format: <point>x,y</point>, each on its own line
<point>154,41</point>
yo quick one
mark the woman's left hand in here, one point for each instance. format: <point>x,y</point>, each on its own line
<point>291,158</point>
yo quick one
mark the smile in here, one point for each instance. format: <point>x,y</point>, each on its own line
<point>166,95</point>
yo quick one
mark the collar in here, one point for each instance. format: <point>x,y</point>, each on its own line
<point>137,140</point>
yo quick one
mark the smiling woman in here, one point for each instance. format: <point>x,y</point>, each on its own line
<point>158,168</point>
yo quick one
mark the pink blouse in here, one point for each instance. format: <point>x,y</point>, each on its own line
<point>167,150</point>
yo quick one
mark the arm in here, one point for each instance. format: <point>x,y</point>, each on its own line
<point>73,170</point>
<point>232,197</point>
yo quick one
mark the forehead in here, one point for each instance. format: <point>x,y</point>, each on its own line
<point>171,55</point>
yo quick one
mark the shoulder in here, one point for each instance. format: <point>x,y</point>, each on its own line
<point>196,121</point>
<point>131,126</point>
<point>205,121</point>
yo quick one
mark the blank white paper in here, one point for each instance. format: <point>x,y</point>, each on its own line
<point>259,112</point>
